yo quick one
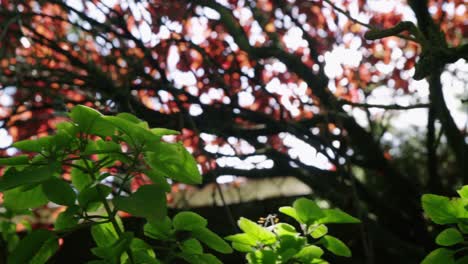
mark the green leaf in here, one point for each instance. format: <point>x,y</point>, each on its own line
<point>191,246</point>
<point>137,135</point>
<point>129,117</point>
<point>36,247</point>
<point>104,234</point>
<point>307,210</point>
<point>463,227</point>
<point>439,209</point>
<point>308,253</point>
<point>164,132</point>
<point>67,219</point>
<point>14,161</point>
<point>91,121</point>
<point>262,257</point>
<point>288,210</point>
<point>449,237</point>
<point>439,256</point>
<point>158,179</point>
<point>29,175</point>
<point>283,229</point>
<point>209,259</point>
<point>335,246</point>
<point>34,145</point>
<point>142,253</point>
<point>242,247</point>
<point>88,197</point>
<point>158,229</point>
<point>59,192</point>
<point>113,251</point>
<point>175,162</point>
<point>17,199</point>
<point>47,250</point>
<point>142,257</point>
<point>290,245</point>
<point>463,192</point>
<point>212,240</point>
<point>80,179</point>
<point>148,201</point>
<point>253,229</point>
<point>188,221</point>
<point>336,216</point>
<point>243,239</point>
<point>68,128</point>
<point>317,231</point>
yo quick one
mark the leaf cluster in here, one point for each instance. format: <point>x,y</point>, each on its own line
<point>452,212</point>
<point>282,243</point>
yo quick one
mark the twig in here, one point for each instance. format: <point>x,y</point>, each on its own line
<point>387,107</point>
<point>369,26</point>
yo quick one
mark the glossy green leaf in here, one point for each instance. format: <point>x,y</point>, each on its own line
<point>164,132</point>
<point>335,246</point>
<point>14,161</point>
<point>88,197</point>
<point>253,229</point>
<point>336,216</point>
<point>463,227</point>
<point>209,259</point>
<point>191,246</point>
<point>47,250</point>
<point>175,162</point>
<point>439,256</point>
<point>114,251</point>
<point>188,221</point>
<point>68,128</point>
<point>137,135</point>
<point>80,179</point>
<point>29,175</point>
<point>243,239</point>
<point>262,257</point>
<point>307,210</point>
<point>241,247</point>
<point>290,245</point>
<point>439,209</point>
<point>317,231</point>
<point>142,253</point>
<point>129,117</point>
<point>59,192</point>
<point>91,121</point>
<point>449,237</point>
<point>288,210</point>
<point>17,199</point>
<point>36,247</point>
<point>34,145</point>
<point>308,253</point>
<point>212,240</point>
<point>104,234</point>
<point>283,229</point>
<point>148,201</point>
<point>159,229</point>
<point>463,192</point>
<point>140,245</point>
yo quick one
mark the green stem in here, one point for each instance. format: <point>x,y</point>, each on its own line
<point>109,211</point>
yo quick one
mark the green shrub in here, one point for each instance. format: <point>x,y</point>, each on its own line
<point>453,213</point>
<point>93,148</point>
<point>282,243</point>
<point>91,144</point>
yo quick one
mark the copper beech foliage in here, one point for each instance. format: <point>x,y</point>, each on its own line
<point>231,75</point>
